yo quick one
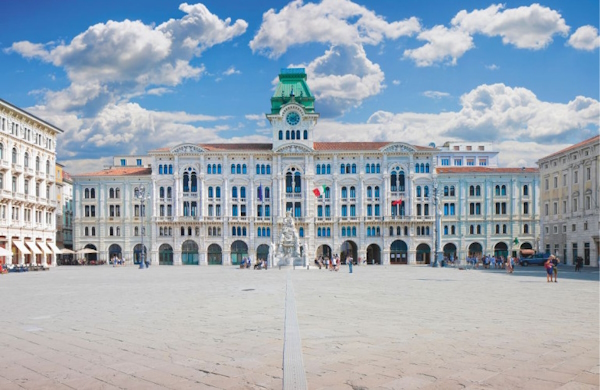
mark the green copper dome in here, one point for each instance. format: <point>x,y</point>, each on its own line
<point>292,85</point>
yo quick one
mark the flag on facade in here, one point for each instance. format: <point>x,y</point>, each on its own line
<point>516,241</point>
<point>260,196</point>
<point>319,190</point>
<point>397,202</point>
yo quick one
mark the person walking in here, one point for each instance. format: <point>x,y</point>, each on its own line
<point>349,261</point>
<point>548,267</point>
<point>555,267</point>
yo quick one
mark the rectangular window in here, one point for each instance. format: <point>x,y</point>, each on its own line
<point>555,181</point>
<point>482,162</point>
<point>546,208</point>
<point>470,162</point>
<point>547,184</point>
<point>445,161</point>
<point>525,207</point>
<point>555,208</point>
<point>123,162</point>
<point>139,162</point>
<point>555,229</point>
<point>564,206</point>
<point>458,161</point>
<point>588,173</point>
<point>564,180</point>
<point>575,177</point>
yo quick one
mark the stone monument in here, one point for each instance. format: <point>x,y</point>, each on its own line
<point>287,252</point>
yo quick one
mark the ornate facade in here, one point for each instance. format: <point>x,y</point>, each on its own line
<point>28,199</point>
<point>380,201</point>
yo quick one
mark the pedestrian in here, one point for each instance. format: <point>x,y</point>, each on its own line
<point>548,267</point>
<point>512,264</point>
<point>555,267</point>
<point>349,261</point>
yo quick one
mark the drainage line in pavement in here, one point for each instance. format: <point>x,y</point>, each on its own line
<point>294,376</point>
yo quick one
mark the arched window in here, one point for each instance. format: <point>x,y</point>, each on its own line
<point>498,190</point>
<point>170,169</point>
<point>452,192</point>
<point>376,191</point>
<point>445,230</point>
<point>2,156</point>
<point>472,229</point>
<point>368,168</point>
<point>406,230</point>
<point>318,232</point>
<point>111,193</point>
<point>262,169</point>
<point>297,182</point>
<point>301,232</point>
<point>328,169</point>
<point>93,193</point>
<point>287,134</point>
<point>344,192</point>
<point>369,192</point>
<point>186,182</point>
<point>526,229</point>
<point>232,169</point>
<point>194,182</point>
<point>210,192</point>
<point>318,169</point>
<point>398,231</point>
<point>478,190</point>
<point>342,169</point>
<point>391,230</point>
<point>427,168</point>
<point>418,191</point>
<point>209,169</point>
<point>258,169</point>
<point>14,155</point>
<point>244,169</point>
<point>452,229</point>
<point>280,134</point>
<point>297,134</point>
<point>353,168</point>
<point>478,229</point>
<point>497,229</point>
<point>259,232</point>
<point>26,160</point>
<point>352,192</point>
<point>525,190</point>
<point>426,191</point>
<point>243,192</point>
<point>328,232</point>
<point>37,162</point>
<point>160,170</point>
<point>305,134</point>
<point>234,192</point>
<point>48,172</point>
<point>86,193</point>
<point>268,169</point>
<point>446,191</point>
<point>293,134</point>
<point>238,169</point>
<point>168,192</point>
<point>267,193</point>
<point>472,191</point>
<point>417,170</point>
<point>503,190</point>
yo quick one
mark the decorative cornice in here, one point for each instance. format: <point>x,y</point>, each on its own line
<point>187,149</point>
<point>398,147</point>
<point>294,149</point>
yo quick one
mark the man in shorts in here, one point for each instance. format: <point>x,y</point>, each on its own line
<point>554,267</point>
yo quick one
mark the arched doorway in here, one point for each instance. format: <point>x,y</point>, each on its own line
<point>398,251</point>
<point>450,251</point>
<point>165,254</point>
<point>91,256</point>
<point>114,251</point>
<point>262,252</point>
<point>526,245</point>
<point>189,253</point>
<point>325,251</point>
<point>501,249</point>
<point>137,253</point>
<point>215,255</point>
<point>423,254</point>
<point>239,250</point>
<point>348,248</point>
<point>475,250</point>
<point>373,254</point>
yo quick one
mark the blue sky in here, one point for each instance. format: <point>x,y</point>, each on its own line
<point>127,77</point>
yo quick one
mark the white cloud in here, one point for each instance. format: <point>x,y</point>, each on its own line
<point>442,43</point>
<point>585,38</point>
<point>130,55</point>
<point>396,82</point>
<point>527,27</point>
<point>342,78</point>
<point>336,22</point>
<point>520,124</point>
<point>258,118</point>
<point>435,94</point>
<point>231,70</point>
<point>492,67</point>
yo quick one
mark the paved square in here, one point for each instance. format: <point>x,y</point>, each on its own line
<point>396,327</point>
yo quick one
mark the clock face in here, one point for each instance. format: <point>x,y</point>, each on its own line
<point>292,118</point>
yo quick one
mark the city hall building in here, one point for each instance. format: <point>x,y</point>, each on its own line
<point>383,202</point>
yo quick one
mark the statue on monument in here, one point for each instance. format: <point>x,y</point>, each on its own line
<point>288,248</point>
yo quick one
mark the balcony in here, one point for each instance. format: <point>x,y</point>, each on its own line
<point>293,195</point>
<point>17,168</point>
<point>262,219</point>
<point>6,194</point>
<point>4,165</point>
<point>324,219</point>
<point>29,172</point>
<point>50,177</point>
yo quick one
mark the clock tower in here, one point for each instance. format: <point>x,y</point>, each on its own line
<point>292,116</point>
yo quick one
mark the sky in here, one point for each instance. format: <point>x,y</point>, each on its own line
<point>123,78</point>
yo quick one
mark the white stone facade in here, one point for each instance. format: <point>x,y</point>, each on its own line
<point>28,199</point>
<point>569,202</point>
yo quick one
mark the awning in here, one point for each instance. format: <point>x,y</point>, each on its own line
<point>54,248</point>
<point>67,251</point>
<point>44,248</point>
<point>5,252</point>
<point>33,247</point>
<point>22,247</point>
<point>527,251</point>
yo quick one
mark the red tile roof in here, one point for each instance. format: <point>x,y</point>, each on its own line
<point>318,146</point>
<point>485,170</point>
<point>589,141</point>
<point>120,171</point>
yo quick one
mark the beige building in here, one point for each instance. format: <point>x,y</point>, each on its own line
<point>569,202</point>
<point>28,187</point>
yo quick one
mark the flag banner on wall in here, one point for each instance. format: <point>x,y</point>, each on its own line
<point>397,202</point>
<point>319,190</point>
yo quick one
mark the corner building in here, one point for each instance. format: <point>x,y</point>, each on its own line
<point>217,203</point>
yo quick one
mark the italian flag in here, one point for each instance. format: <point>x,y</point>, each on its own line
<point>319,190</point>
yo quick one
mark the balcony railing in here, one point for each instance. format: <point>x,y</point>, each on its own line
<point>4,165</point>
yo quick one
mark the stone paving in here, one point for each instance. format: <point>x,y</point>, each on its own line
<point>394,327</point>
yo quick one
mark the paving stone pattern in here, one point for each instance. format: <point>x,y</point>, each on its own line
<point>395,327</point>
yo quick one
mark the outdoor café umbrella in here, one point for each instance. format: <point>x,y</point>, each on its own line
<point>85,251</point>
<point>67,251</point>
<point>4,252</point>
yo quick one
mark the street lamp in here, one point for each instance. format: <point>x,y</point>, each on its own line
<point>140,194</point>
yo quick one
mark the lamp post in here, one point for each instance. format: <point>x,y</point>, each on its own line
<point>140,194</point>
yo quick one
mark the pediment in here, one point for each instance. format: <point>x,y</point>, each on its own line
<point>294,149</point>
<point>187,149</point>
<point>398,147</point>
